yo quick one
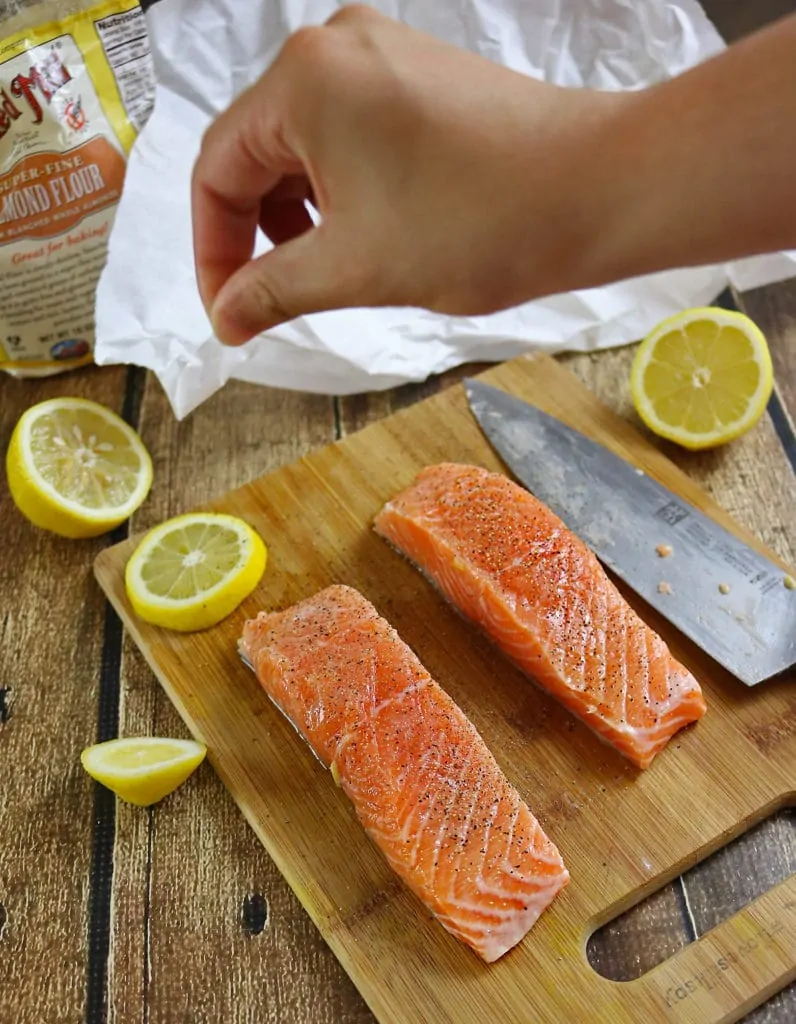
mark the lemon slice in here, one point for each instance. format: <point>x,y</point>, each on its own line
<point>75,468</point>
<point>702,377</point>
<point>190,572</point>
<point>143,769</point>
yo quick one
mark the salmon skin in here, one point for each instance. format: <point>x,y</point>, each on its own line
<point>421,779</point>
<point>511,566</point>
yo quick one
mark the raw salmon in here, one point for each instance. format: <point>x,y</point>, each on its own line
<point>511,566</point>
<point>421,779</point>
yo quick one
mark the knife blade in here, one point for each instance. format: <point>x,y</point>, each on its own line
<point>729,599</point>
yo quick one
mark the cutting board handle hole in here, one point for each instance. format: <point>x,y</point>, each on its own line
<point>652,931</point>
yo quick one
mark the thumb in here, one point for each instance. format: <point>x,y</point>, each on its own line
<point>308,274</point>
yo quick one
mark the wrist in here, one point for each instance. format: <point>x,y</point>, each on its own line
<point>584,206</point>
<point>681,182</point>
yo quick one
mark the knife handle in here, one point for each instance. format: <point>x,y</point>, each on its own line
<point>729,970</point>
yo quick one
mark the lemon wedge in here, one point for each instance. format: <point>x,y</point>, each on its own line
<point>702,377</point>
<point>76,468</point>
<point>189,573</point>
<point>143,769</point>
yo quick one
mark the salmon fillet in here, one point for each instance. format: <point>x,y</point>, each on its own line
<point>511,566</point>
<point>421,779</point>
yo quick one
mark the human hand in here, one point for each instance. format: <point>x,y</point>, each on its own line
<point>442,180</point>
<point>446,181</point>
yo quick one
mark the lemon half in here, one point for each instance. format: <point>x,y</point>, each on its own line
<point>702,377</point>
<point>143,769</point>
<point>76,468</point>
<point>192,571</point>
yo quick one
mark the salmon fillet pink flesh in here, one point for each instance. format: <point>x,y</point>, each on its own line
<point>508,564</point>
<point>420,777</point>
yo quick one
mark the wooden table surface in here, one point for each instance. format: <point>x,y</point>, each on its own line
<point>176,913</point>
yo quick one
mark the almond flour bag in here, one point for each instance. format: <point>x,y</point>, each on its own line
<point>76,86</point>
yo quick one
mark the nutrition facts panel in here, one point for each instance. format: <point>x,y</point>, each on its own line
<point>126,44</point>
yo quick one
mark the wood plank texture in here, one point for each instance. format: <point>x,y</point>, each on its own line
<point>357,411</point>
<point>204,928</point>
<point>52,616</point>
<point>774,308</point>
<point>324,505</point>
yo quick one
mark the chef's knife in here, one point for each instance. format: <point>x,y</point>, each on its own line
<point>737,605</point>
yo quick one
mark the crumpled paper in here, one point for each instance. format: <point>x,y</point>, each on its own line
<point>206,51</point>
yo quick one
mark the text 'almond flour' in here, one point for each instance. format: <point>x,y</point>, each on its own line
<point>75,90</point>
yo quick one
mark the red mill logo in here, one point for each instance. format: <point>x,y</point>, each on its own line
<point>27,92</point>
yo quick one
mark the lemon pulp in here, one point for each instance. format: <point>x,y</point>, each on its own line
<point>143,769</point>
<point>76,468</point>
<point>702,377</point>
<point>194,570</point>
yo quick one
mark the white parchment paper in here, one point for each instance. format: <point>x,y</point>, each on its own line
<point>206,51</point>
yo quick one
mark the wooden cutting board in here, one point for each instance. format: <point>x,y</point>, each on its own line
<point>623,832</point>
